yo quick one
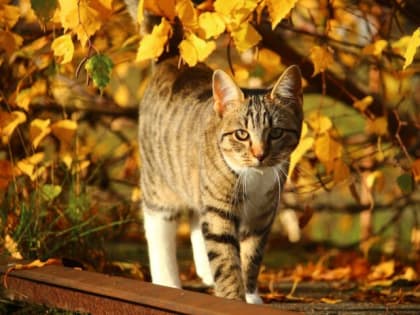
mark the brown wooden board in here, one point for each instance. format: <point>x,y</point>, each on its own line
<point>95,293</point>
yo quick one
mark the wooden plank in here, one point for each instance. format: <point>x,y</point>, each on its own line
<point>95,293</point>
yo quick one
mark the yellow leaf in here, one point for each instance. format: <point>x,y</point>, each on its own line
<point>29,166</point>
<point>211,24</point>
<point>322,58</point>
<point>193,49</point>
<point>9,15</point>
<point>376,48</point>
<point>278,10</point>
<point>245,37</point>
<point>330,301</point>
<point>363,104</point>
<point>304,145</point>
<point>152,45</point>
<point>235,12</point>
<point>327,150</point>
<point>269,59</point>
<point>382,271</point>
<point>122,95</point>
<point>377,179</point>
<point>12,247</point>
<point>81,18</point>
<point>38,130</point>
<point>80,166</point>
<point>64,130</point>
<point>341,171</point>
<point>63,47</point>
<point>400,45</point>
<point>186,12</point>
<point>23,99</point>
<point>9,122</point>
<point>164,8</point>
<point>411,48</point>
<point>25,96</point>
<point>319,123</point>
<point>378,126</point>
<point>34,264</point>
<point>10,42</point>
<point>415,168</point>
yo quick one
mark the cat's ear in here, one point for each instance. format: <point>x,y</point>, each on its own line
<point>225,92</point>
<point>289,84</point>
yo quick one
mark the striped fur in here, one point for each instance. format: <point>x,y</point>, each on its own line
<point>206,146</point>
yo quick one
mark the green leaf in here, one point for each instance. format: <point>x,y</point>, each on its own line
<point>99,68</point>
<point>50,192</point>
<point>405,182</point>
<point>44,9</point>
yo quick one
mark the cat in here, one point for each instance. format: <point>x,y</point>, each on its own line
<point>221,152</point>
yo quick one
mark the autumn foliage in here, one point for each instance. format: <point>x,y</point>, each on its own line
<point>72,72</point>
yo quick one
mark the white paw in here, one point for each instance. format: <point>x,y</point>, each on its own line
<point>253,298</point>
<point>206,277</point>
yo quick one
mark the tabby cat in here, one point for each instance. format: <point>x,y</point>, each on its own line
<point>222,153</point>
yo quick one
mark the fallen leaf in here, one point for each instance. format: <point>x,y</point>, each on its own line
<point>32,265</point>
<point>330,300</point>
<point>382,271</point>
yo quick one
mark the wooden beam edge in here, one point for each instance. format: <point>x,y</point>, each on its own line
<point>131,291</point>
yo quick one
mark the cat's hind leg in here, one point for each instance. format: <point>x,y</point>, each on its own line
<point>160,228</point>
<point>201,260</point>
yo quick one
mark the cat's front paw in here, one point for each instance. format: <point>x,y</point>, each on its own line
<point>207,278</point>
<point>253,298</point>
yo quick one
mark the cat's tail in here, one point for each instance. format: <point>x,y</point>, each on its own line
<point>151,20</point>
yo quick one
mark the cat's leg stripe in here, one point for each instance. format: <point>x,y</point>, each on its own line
<point>224,238</point>
<point>224,215</point>
<point>212,255</point>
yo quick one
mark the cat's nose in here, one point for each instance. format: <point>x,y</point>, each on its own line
<point>260,156</point>
<point>259,152</point>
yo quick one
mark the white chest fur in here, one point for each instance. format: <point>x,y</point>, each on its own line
<point>257,185</point>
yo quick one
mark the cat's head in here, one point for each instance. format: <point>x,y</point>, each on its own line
<point>259,130</point>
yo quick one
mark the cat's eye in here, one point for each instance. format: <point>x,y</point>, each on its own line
<point>276,133</point>
<point>241,135</point>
